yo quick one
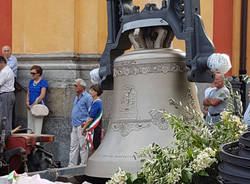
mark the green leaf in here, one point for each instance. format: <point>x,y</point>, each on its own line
<point>190,153</point>
<point>203,173</point>
<point>129,180</point>
<point>186,176</point>
<point>140,181</point>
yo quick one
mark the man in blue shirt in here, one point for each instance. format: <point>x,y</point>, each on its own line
<point>78,144</point>
<point>11,60</point>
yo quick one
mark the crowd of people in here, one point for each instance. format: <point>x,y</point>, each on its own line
<point>87,108</point>
<point>86,113</point>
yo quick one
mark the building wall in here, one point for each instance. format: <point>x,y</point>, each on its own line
<point>59,26</point>
<point>6,23</point>
<point>69,28</point>
<point>43,26</point>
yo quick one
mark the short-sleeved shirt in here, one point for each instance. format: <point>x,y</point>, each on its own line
<point>247,115</point>
<point>35,90</point>
<point>221,94</point>
<point>96,109</point>
<point>80,109</point>
<point>12,63</point>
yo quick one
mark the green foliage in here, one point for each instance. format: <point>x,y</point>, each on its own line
<point>196,147</point>
<point>195,150</point>
<point>234,100</point>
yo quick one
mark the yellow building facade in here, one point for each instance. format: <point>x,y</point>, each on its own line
<point>72,26</point>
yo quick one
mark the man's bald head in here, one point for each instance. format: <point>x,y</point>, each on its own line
<point>6,51</point>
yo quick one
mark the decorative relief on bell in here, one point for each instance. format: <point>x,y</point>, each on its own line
<point>135,69</point>
<point>128,99</point>
<point>159,120</point>
<point>124,127</point>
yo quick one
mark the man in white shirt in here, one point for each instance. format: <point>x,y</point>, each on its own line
<point>7,96</point>
<point>12,63</point>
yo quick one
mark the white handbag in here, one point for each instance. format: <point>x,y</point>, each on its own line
<point>39,110</point>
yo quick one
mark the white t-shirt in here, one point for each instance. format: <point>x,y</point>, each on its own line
<point>7,80</point>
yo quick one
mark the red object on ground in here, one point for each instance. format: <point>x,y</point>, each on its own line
<point>25,141</point>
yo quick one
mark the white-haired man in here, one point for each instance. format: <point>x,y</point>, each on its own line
<point>216,99</point>
<point>10,59</point>
<point>79,115</point>
<point>12,63</point>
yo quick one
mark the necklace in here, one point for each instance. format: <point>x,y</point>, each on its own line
<point>35,83</point>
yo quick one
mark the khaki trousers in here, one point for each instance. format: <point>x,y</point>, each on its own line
<point>35,123</point>
<point>78,148</point>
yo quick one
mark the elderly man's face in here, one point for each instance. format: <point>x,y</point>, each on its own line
<point>218,82</point>
<point>78,87</point>
<point>6,51</point>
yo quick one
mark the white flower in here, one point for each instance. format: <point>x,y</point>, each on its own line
<point>243,127</point>
<point>205,133</point>
<point>174,175</point>
<point>236,119</point>
<point>204,160</point>
<point>224,115</point>
<point>118,178</point>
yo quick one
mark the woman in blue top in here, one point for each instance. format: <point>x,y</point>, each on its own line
<point>36,95</point>
<point>93,125</point>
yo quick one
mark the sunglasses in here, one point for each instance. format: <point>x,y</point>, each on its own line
<point>33,73</point>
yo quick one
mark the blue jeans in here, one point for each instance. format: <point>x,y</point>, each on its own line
<point>213,119</point>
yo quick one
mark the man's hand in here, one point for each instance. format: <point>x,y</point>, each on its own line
<point>205,110</point>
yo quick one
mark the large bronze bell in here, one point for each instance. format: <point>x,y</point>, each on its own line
<point>144,79</point>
